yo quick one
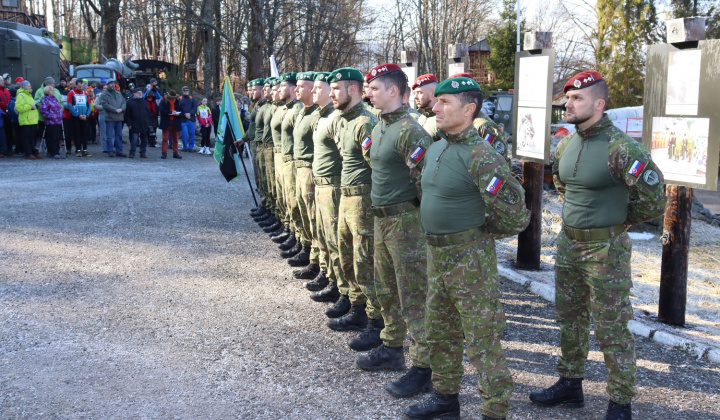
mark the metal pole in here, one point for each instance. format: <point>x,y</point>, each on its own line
<point>517,18</point>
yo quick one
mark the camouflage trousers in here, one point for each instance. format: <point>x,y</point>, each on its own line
<point>327,204</point>
<point>401,282</point>
<point>305,198</point>
<point>463,298</point>
<point>593,278</point>
<point>269,177</point>
<point>259,169</point>
<point>282,213</point>
<point>355,246</point>
<point>291,203</point>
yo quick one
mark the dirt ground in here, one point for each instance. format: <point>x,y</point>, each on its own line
<point>142,289</point>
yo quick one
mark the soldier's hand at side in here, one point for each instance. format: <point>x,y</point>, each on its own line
<point>239,143</point>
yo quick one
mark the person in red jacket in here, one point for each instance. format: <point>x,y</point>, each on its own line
<point>170,123</point>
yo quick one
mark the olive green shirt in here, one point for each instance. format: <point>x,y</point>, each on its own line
<point>294,108</point>
<point>276,123</point>
<point>327,160</point>
<point>397,155</point>
<point>303,133</point>
<point>270,113</point>
<point>353,132</point>
<point>262,105</point>
<point>606,178</point>
<point>251,132</point>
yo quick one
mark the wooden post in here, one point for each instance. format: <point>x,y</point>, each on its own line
<point>676,244</point>
<point>529,240</point>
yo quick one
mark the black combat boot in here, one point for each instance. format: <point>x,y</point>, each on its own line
<point>272,228</point>
<point>292,251</point>
<point>339,308</point>
<point>262,217</point>
<point>318,283</point>
<point>328,294</point>
<point>277,231</point>
<point>307,272</point>
<point>354,320</point>
<point>415,381</point>
<point>617,411</point>
<point>566,391</point>
<point>289,243</point>
<point>369,338</point>
<point>301,259</point>
<point>268,222</point>
<point>382,357</point>
<point>257,211</point>
<point>439,405</point>
<point>281,237</point>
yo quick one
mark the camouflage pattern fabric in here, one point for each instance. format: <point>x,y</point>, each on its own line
<point>593,278</point>
<point>291,204</point>
<point>463,300</point>
<point>491,132</point>
<point>401,282</point>
<point>269,177</point>
<point>305,198</point>
<point>279,186</point>
<point>327,205</point>
<point>259,165</point>
<point>355,245</point>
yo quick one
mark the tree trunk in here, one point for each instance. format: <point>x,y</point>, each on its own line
<point>110,14</point>
<point>255,41</point>
<point>208,47</point>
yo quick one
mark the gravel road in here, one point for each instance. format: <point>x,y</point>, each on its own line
<point>142,289</point>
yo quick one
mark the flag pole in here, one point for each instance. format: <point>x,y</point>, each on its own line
<point>252,191</point>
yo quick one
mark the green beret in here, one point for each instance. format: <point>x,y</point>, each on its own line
<point>322,76</point>
<point>306,75</point>
<point>269,80</point>
<point>275,81</point>
<point>345,73</point>
<point>256,82</point>
<point>289,77</point>
<point>456,85</point>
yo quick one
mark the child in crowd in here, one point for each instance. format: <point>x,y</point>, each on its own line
<point>205,119</point>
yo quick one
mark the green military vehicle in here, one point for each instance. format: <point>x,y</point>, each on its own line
<point>28,52</point>
<point>499,103</point>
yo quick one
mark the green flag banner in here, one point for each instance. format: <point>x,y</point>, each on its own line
<point>229,129</point>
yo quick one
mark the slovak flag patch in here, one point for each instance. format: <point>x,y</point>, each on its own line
<point>636,168</point>
<point>366,143</point>
<point>494,185</point>
<point>489,137</point>
<point>417,154</point>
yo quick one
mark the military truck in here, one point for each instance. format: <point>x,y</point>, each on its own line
<point>28,52</point>
<point>503,108</point>
<point>112,69</point>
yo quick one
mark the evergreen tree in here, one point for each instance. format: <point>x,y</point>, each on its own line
<point>502,41</point>
<point>625,28</point>
<point>707,8</point>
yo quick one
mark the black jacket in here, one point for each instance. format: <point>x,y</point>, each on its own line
<point>166,120</point>
<point>137,115</point>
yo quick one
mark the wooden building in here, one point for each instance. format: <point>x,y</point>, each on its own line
<point>477,67</point>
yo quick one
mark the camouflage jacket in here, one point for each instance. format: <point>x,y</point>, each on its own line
<point>303,133</point>
<point>273,121</point>
<point>467,184</point>
<point>606,178</point>
<point>327,160</point>
<point>396,154</point>
<point>354,128</point>
<point>491,132</point>
<point>289,121</point>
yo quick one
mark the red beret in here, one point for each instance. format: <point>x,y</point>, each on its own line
<point>462,75</point>
<point>18,80</point>
<point>424,80</point>
<point>583,80</point>
<point>381,70</point>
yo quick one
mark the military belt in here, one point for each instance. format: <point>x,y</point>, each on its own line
<point>455,238</point>
<point>395,209</point>
<point>356,189</point>
<point>277,149</point>
<point>259,145</point>
<point>589,235</point>
<point>287,158</point>
<point>303,164</point>
<point>326,180</point>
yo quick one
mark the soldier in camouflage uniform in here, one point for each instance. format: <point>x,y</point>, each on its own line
<point>304,187</point>
<point>355,224</point>
<point>608,182</point>
<point>327,170</point>
<point>469,197</point>
<point>397,150</point>
<point>277,210</point>
<point>260,107</point>
<point>255,93</point>
<point>424,88</point>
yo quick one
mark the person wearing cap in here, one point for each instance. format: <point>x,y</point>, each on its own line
<point>153,90</point>
<point>300,254</point>
<point>608,182</point>
<point>303,151</point>
<point>397,149</point>
<point>79,106</point>
<point>470,197</point>
<point>170,124</point>
<point>366,100</point>
<point>424,88</point>
<point>113,105</point>
<point>263,136</point>
<point>259,90</point>
<point>16,85</point>
<point>255,87</point>
<point>137,118</point>
<point>7,80</point>
<point>326,171</point>
<point>355,224</point>
<point>187,105</point>
<point>27,119</point>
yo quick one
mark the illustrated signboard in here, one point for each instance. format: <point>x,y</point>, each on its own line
<point>533,105</point>
<point>681,124</point>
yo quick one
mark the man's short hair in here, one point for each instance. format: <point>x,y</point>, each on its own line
<point>472,97</point>
<point>600,91</point>
<point>395,78</point>
<point>351,82</point>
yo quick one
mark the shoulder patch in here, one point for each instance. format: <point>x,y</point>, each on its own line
<point>494,185</point>
<point>489,137</point>
<point>366,143</point>
<point>651,177</point>
<point>417,154</point>
<point>636,168</point>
